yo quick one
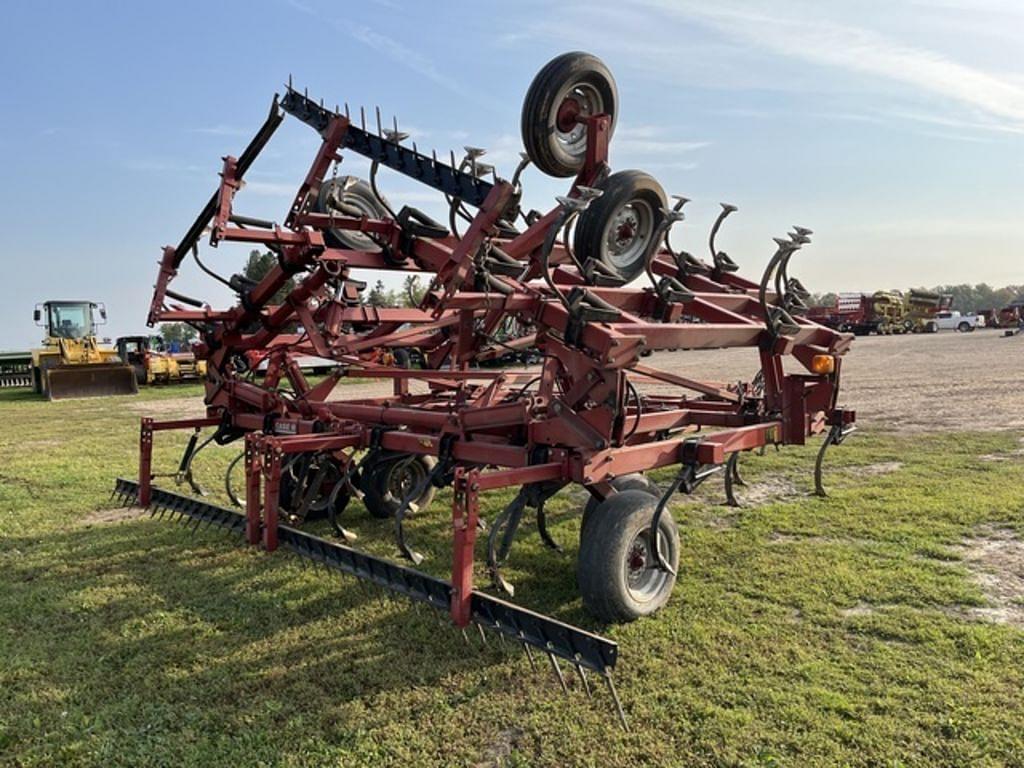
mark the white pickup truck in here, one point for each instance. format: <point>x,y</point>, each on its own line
<point>948,320</point>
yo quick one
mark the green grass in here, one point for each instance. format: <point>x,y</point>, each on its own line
<point>131,643</point>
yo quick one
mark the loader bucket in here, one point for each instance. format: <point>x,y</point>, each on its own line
<point>90,380</point>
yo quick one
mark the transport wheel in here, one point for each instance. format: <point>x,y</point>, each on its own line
<point>617,573</point>
<point>387,482</point>
<point>635,481</point>
<point>620,229</point>
<point>349,196</point>
<point>570,85</point>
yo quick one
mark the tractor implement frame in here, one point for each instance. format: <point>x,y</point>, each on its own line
<point>583,416</point>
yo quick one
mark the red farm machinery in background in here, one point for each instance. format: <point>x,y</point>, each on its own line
<point>590,287</point>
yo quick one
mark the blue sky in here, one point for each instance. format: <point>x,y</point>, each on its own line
<point>894,129</point>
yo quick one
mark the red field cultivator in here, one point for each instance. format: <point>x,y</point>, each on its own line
<point>587,414</point>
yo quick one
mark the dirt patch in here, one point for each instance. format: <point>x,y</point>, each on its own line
<point>873,470</point>
<point>1008,456</point>
<point>115,515</point>
<point>860,609</point>
<point>501,748</point>
<point>995,558</point>
<point>720,522</point>
<point>766,491</point>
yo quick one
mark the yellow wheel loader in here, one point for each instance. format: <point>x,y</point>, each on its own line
<point>155,362</point>
<point>71,362</point>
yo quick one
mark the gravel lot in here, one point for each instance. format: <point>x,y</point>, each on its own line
<point>922,383</point>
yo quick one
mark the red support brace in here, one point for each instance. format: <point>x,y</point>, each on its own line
<point>253,471</point>
<point>272,493</point>
<point>465,515</point>
<point>145,461</point>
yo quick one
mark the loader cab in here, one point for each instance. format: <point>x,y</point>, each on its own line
<point>70,319</point>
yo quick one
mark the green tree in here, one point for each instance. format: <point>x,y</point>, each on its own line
<point>380,296</point>
<point>257,267</point>
<point>822,299</point>
<point>179,332</point>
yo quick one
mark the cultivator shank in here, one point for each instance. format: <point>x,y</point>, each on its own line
<point>561,286</point>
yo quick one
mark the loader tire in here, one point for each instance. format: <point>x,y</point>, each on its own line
<point>635,481</point>
<point>568,85</point>
<point>383,490</point>
<point>616,578</point>
<point>620,229</point>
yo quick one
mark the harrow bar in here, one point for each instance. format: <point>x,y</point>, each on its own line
<point>555,638</point>
<point>424,168</point>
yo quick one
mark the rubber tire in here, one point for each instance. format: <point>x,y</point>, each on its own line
<point>343,238</point>
<point>375,481</point>
<point>402,358</point>
<point>543,100</point>
<point>619,189</point>
<point>599,568</point>
<point>964,327</point>
<point>635,481</point>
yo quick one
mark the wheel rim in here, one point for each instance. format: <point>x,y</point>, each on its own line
<point>628,233</point>
<point>644,580</point>
<point>406,479</point>
<point>580,99</point>
<point>342,203</point>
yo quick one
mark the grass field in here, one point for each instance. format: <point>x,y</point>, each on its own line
<point>849,631</point>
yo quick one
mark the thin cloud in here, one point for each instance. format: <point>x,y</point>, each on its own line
<point>859,50</point>
<point>220,130</point>
<point>648,140</point>
<point>396,51</point>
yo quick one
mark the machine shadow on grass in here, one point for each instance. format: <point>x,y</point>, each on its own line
<point>215,580</point>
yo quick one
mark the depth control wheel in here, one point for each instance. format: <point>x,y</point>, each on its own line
<point>390,479</point>
<point>635,481</point>
<point>617,572</point>
<point>569,86</point>
<point>621,228</point>
<point>349,196</point>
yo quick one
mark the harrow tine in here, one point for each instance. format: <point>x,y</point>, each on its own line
<point>558,671</point>
<point>529,653</point>
<point>583,679</point>
<point>615,698</point>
